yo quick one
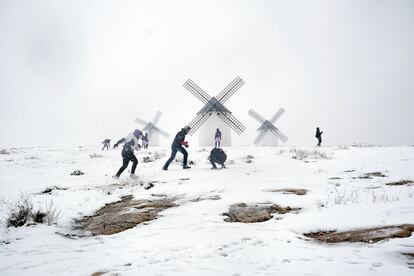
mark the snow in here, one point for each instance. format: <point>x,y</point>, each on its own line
<point>193,238</point>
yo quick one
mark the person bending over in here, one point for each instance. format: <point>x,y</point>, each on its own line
<point>130,144</point>
<point>177,146</point>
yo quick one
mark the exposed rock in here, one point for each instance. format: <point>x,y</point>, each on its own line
<point>289,191</point>
<point>411,258</point>
<point>242,212</point>
<point>370,175</point>
<point>335,178</point>
<point>401,182</point>
<point>124,214</point>
<point>212,197</point>
<point>368,235</point>
<point>147,159</point>
<point>77,172</point>
<point>49,190</point>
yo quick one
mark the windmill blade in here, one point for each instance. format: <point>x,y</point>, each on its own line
<point>156,118</point>
<point>277,115</point>
<point>140,121</point>
<point>259,137</point>
<point>279,134</point>
<point>197,122</point>
<point>235,124</point>
<point>229,90</point>
<point>256,115</point>
<point>197,91</point>
<point>163,133</point>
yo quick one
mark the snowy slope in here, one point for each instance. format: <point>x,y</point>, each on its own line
<point>193,238</point>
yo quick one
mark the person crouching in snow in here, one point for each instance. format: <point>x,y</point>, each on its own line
<point>218,156</point>
<point>177,145</point>
<point>130,144</point>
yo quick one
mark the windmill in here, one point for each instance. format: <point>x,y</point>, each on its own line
<point>152,130</point>
<point>214,114</point>
<point>269,135</point>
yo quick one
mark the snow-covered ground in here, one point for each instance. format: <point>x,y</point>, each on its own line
<point>193,238</point>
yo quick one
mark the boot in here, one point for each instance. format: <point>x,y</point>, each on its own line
<point>186,167</point>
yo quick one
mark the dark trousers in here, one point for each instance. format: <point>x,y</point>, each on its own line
<point>126,157</point>
<point>106,146</point>
<point>174,151</point>
<point>319,142</point>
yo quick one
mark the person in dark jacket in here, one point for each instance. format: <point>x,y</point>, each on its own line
<point>106,144</point>
<point>318,136</point>
<point>177,145</point>
<point>130,144</point>
<point>217,138</point>
<point>217,156</point>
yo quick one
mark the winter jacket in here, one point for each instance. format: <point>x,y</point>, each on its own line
<point>179,139</point>
<point>218,155</point>
<point>131,143</point>
<point>218,135</point>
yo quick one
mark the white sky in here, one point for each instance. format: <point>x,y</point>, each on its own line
<point>76,72</point>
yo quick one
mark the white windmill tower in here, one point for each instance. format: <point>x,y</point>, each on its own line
<point>152,130</point>
<point>214,114</point>
<point>269,135</point>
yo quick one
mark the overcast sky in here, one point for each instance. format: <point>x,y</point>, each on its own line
<point>76,72</point>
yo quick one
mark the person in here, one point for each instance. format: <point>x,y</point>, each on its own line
<point>217,138</point>
<point>218,156</point>
<point>106,144</point>
<point>130,144</point>
<point>318,136</point>
<point>145,141</point>
<point>177,145</point>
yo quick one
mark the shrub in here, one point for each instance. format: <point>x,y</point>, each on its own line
<point>302,154</point>
<point>24,213</point>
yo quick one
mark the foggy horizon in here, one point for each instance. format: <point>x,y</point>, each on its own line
<point>73,73</point>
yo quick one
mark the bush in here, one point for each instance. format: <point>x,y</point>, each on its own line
<point>5,152</point>
<point>302,154</point>
<point>24,213</point>
<point>77,172</point>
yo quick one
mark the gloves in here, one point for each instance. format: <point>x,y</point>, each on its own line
<point>185,144</point>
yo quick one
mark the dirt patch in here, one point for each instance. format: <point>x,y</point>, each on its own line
<point>124,214</point>
<point>289,191</point>
<point>400,183</point>
<point>260,212</point>
<point>411,258</point>
<point>368,235</point>
<point>370,175</point>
